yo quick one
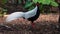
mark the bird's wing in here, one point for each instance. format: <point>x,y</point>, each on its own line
<point>31,13</point>
<point>14,15</point>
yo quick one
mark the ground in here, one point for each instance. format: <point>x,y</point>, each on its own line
<point>45,24</point>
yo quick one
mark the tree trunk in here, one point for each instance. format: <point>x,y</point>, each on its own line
<point>59,12</point>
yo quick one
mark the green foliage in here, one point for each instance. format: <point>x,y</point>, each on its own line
<point>31,7</point>
<point>28,4</point>
<point>47,2</point>
<point>4,1</point>
<point>54,4</point>
<point>35,1</point>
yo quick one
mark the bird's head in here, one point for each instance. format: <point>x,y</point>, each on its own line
<point>37,4</point>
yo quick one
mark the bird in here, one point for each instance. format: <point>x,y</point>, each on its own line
<point>31,15</point>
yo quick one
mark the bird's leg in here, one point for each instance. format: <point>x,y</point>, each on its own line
<point>33,24</point>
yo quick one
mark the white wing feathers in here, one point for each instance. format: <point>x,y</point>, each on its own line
<point>31,13</point>
<point>14,15</point>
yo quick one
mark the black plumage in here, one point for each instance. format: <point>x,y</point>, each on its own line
<point>32,19</point>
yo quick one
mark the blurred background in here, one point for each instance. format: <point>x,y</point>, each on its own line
<point>49,9</point>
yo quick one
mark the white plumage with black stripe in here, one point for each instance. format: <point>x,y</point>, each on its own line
<point>31,15</point>
<point>26,15</point>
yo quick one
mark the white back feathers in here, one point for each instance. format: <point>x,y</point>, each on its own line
<point>17,15</point>
<point>31,13</point>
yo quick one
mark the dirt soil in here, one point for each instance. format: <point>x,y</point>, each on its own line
<point>45,24</point>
